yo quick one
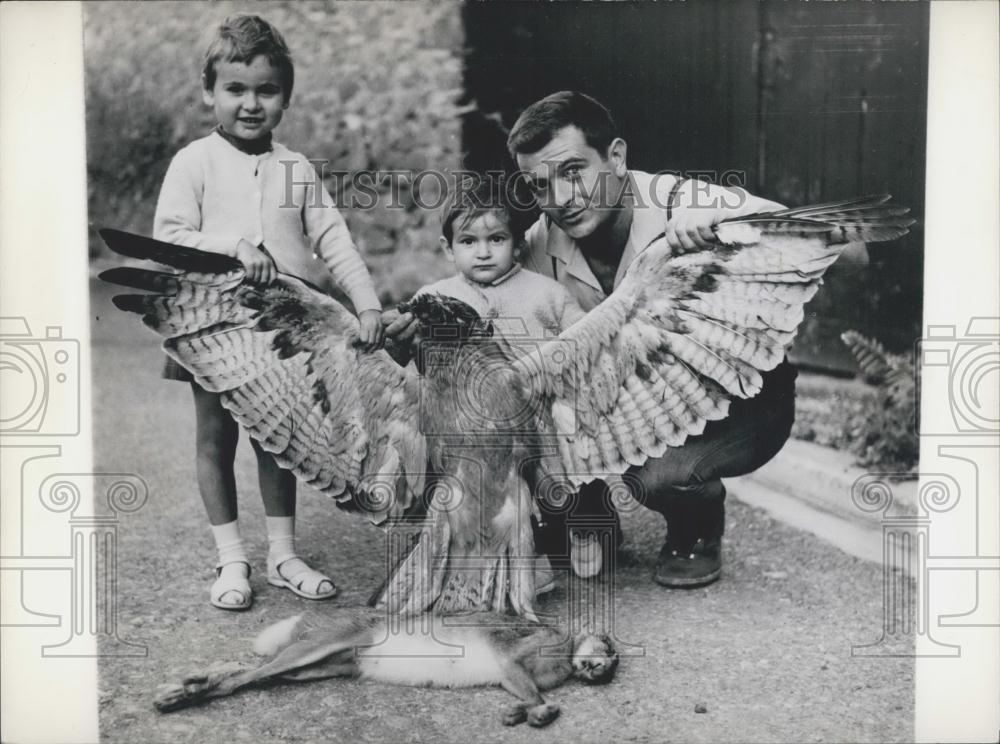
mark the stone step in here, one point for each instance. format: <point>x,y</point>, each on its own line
<point>810,487</point>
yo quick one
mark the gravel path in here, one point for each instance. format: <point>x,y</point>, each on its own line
<point>765,652</point>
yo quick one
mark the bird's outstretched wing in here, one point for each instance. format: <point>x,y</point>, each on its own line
<point>286,360</point>
<point>682,335</point>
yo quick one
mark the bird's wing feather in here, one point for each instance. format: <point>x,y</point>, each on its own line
<point>287,364</point>
<point>867,219</point>
<point>683,335</point>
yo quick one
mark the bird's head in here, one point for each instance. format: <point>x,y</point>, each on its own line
<point>446,318</point>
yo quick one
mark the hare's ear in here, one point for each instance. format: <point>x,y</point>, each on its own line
<point>612,653</point>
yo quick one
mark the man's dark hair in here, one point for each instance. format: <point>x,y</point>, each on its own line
<point>240,38</point>
<point>538,124</point>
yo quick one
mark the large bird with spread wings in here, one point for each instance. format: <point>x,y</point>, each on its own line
<point>661,356</point>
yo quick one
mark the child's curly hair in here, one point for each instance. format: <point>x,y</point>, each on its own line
<point>240,38</point>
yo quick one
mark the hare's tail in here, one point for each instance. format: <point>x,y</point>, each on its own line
<point>276,636</point>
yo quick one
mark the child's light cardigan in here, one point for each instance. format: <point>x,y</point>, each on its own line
<point>521,303</point>
<point>214,195</point>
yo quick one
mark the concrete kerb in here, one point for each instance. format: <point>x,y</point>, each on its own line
<point>810,487</point>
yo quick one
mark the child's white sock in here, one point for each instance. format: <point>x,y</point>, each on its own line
<point>229,543</point>
<point>280,539</point>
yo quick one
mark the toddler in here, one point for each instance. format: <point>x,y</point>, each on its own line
<point>482,238</point>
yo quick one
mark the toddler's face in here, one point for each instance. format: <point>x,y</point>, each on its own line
<point>248,99</point>
<point>483,249</point>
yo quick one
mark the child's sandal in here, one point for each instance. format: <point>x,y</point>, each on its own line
<point>302,581</point>
<point>229,584</point>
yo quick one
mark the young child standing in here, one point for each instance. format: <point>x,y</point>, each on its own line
<point>239,193</point>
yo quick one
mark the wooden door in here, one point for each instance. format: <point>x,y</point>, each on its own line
<point>804,102</point>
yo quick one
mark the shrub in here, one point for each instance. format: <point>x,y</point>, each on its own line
<point>884,435</point>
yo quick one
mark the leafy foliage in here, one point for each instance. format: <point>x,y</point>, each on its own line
<point>884,435</point>
<point>376,88</point>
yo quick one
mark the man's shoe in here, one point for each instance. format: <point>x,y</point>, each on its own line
<point>692,554</point>
<point>689,566</point>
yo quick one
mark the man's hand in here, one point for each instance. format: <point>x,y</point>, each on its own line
<point>701,207</point>
<point>691,229</point>
<point>371,333</point>
<point>257,263</point>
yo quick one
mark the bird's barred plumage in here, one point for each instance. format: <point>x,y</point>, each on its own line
<point>681,336</point>
<point>286,361</point>
<point>646,369</point>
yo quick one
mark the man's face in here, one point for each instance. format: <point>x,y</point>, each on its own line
<point>578,187</point>
<point>248,99</point>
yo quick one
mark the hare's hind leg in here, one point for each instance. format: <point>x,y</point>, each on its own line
<point>323,670</point>
<point>300,660</point>
<point>304,659</point>
<point>194,688</point>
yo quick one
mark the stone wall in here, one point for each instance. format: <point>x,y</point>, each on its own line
<point>376,89</point>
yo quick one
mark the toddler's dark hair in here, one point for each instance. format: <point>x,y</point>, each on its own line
<point>473,197</point>
<point>240,38</point>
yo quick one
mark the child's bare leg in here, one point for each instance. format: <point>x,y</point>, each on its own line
<point>284,567</point>
<point>217,435</point>
<point>216,438</point>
